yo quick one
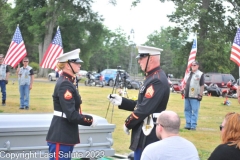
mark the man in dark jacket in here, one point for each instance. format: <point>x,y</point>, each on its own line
<point>152,99</point>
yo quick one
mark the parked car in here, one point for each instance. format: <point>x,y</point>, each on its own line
<point>109,76</point>
<point>52,75</point>
<point>220,79</point>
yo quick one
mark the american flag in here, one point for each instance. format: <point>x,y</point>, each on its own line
<point>235,52</point>
<point>191,58</point>
<point>16,51</point>
<point>54,50</point>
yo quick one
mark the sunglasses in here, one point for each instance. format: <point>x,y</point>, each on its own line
<point>25,61</point>
<point>141,56</point>
<point>158,124</point>
<point>194,65</point>
<point>221,127</point>
<point>227,115</point>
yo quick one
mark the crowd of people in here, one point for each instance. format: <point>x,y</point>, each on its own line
<point>154,130</point>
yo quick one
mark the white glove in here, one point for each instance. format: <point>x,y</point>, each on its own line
<point>115,99</point>
<point>126,130</point>
<point>94,123</point>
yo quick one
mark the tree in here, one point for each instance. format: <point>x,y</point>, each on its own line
<point>114,51</point>
<point>169,56</point>
<point>5,39</point>
<point>216,23</point>
<point>39,19</point>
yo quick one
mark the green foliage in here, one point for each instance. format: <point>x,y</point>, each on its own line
<point>216,30</point>
<point>114,52</point>
<point>34,65</point>
<point>80,26</point>
<point>170,44</point>
<point>5,39</point>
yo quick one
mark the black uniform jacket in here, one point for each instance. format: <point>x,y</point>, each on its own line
<point>66,99</point>
<point>153,98</point>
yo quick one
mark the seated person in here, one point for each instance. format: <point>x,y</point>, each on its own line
<point>230,134</point>
<point>172,146</point>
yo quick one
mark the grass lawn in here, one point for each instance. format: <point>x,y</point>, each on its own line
<point>205,138</point>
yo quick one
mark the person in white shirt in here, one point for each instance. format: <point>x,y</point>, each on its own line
<point>171,146</point>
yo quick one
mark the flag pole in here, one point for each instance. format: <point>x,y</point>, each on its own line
<point>238,83</point>
<point>234,56</point>
<point>191,58</point>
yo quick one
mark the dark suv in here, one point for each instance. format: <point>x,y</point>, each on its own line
<point>220,79</point>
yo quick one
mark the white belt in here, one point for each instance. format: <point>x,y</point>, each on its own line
<point>59,114</point>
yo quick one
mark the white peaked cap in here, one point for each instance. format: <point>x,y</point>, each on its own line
<point>72,56</point>
<point>150,50</point>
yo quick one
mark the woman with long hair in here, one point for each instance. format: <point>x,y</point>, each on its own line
<point>230,135</point>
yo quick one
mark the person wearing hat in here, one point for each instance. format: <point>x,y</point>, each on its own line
<point>152,99</point>
<point>25,80</point>
<point>4,74</point>
<point>193,95</point>
<point>63,132</point>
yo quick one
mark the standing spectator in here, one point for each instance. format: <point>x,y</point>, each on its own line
<point>57,75</point>
<point>171,146</point>
<point>25,80</point>
<point>4,74</point>
<point>230,134</point>
<point>152,98</point>
<point>193,95</point>
<point>63,133</point>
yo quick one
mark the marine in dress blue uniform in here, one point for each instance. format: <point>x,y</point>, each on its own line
<point>63,133</point>
<point>152,98</point>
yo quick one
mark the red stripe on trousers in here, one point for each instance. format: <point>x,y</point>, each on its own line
<point>57,150</point>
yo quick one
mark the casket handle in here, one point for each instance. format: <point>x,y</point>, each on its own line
<point>7,145</point>
<point>110,140</point>
<point>90,141</point>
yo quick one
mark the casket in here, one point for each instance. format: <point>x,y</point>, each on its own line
<point>23,137</point>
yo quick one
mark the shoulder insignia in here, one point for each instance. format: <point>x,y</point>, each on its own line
<point>67,95</point>
<point>150,91</point>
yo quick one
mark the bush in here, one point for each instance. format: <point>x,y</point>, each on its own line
<point>34,65</point>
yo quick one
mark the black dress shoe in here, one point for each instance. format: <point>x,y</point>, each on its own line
<point>187,128</point>
<point>193,129</point>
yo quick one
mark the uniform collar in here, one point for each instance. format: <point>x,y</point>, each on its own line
<point>67,76</point>
<point>152,71</point>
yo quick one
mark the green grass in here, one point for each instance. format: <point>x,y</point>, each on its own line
<point>206,138</point>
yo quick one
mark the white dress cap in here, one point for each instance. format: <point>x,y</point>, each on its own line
<point>146,50</point>
<point>72,56</point>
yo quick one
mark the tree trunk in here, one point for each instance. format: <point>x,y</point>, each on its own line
<point>203,22</point>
